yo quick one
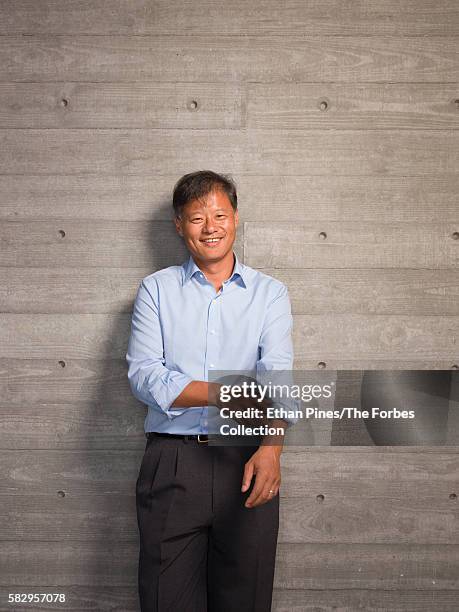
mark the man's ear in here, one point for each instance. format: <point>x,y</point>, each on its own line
<point>236,217</point>
<point>178,225</point>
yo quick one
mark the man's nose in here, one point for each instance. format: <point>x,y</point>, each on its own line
<point>209,226</point>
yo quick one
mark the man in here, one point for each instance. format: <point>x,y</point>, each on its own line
<point>207,515</point>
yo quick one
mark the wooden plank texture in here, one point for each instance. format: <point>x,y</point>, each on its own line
<point>90,598</point>
<point>339,122</point>
<point>316,566</point>
<point>118,105</point>
<point>138,152</point>
<point>374,337</point>
<point>359,599</point>
<point>96,423</point>
<point>334,472</point>
<point>100,422</point>
<point>376,199</point>
<point>386,291</point>
<point>377,503</point>
<point>77,290</point>
<point>120,197</point>
<point>326,359</point>
<point>360,520</point>
<point>154,245</point>
<point>171,58</point>
<point>71,403</point>
<point>311,291</point>
<point>376,566</point>
<point>105,599</point>
<point>377,472</point>
<point>26,381</point>
<point>341,337</point>
<point>327,17</point>
<point>346,106</point>
<point>94,244</point>
<point>351,245</point>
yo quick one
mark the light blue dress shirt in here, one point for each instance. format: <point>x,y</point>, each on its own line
<point>182,329</point>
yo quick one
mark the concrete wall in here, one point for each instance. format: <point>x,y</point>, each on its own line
<point>339,121</point>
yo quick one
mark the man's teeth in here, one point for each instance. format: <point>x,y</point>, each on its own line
<point>212,240</point>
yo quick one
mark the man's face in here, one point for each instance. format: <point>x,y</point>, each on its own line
<point>208,226</point>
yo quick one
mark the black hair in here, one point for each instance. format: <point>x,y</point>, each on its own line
<point>198,184</point>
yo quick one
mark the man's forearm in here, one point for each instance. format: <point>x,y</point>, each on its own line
<point>197,393</point>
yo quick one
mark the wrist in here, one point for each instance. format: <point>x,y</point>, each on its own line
<point>213,393</point>
<point>276,442</point>
<point>271,450</point>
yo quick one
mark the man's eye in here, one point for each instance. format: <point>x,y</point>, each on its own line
<point>221,216</point>
<point>196,220</point>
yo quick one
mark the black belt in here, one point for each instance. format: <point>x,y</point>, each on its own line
<point>200,438</point>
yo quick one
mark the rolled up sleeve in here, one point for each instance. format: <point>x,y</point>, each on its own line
<point>150,380</point>
<point>276,348</point>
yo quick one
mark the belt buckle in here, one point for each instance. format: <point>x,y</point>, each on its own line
<point>202,441</point>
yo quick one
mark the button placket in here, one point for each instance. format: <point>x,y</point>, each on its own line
<point>212,341</point>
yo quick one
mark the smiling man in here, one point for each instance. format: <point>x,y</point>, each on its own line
<point>207,515</point>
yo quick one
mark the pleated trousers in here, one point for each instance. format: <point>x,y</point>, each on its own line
<point>201,549</point>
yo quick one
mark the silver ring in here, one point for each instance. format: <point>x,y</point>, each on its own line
<point>271,491</point>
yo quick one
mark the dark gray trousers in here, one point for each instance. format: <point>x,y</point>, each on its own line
<point>201,550</point>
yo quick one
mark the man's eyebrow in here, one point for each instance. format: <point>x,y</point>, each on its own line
<point>201,213</point>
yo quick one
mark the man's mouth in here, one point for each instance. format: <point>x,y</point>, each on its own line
<point>211,241</point>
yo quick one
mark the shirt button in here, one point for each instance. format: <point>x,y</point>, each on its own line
<point>212,365</point>
<point>212,331</point>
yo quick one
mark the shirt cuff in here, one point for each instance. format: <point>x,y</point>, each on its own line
<point>169,393</point>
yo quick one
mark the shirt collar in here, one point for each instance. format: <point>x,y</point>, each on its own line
<point>190,268</point>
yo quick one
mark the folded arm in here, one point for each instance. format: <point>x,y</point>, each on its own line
<point>150,380</point>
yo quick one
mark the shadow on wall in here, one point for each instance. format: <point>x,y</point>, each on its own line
<point>432,395</point>
<point>429,393</point>
<point>388,396</point>
<point>112,462</point>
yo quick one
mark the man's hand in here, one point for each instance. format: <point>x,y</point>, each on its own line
<point>264,464</point>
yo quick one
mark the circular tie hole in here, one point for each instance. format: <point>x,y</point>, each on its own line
<point>323,105</point>
<point>61,493</point>
<point>452,496</point>
<point>323,235</point>
<point>62,363</point>
<point>62,233</point>
<point>321,365</point>
<point>64,102</point>
<point>456,103</point>
<point>320,498</point>
<point>455,366</point>
<point>455,236</point>
<point>193,105</point>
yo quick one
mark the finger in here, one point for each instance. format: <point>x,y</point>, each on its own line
<point>260,484</point>
<point>268,492</point>
<point>247,477</point>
